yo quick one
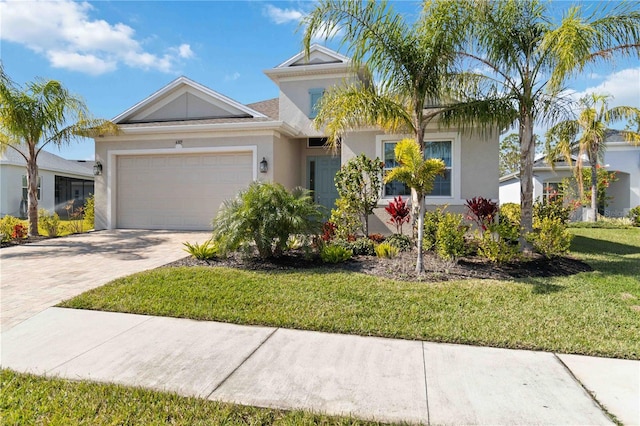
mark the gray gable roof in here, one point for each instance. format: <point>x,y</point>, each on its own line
<point>50,162</point>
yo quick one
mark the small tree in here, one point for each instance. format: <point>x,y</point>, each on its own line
<point>43,113</point>
<point>419,174</point>
<point>359,182</point>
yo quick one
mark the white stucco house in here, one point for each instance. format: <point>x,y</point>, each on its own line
<point>186,148</point>
<point>59,181</point>
<point>620,156</point>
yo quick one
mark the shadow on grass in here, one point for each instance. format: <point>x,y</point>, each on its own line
<point>541,285</point>
<point>588,245</point>
<point>616,258</point>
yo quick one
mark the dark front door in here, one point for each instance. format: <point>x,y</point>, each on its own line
<point>321,171</point>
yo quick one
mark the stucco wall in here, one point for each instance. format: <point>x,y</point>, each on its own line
<point>510,192</point>
<point>479,172</point>
<point>626,158</point>
<point>286,165</point>
<point>295,101</point>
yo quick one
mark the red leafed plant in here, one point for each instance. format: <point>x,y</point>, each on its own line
<point>399,213</point>
<point>328,231</point>
<point>19,231</point>
<point>482,211</point>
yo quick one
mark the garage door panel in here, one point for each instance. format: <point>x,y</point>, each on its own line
<point>178,191</point>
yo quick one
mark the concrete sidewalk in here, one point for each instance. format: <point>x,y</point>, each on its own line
<point>367,377</point>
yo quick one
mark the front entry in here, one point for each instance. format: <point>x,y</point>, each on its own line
<point>321,171</point>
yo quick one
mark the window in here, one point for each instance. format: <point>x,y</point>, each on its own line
<point>25,188</point>
<point>551,191</point>
<point>314,96</point>
<point>316,142</point>
<point>433,149</point>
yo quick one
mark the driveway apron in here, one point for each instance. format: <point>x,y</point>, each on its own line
<point>37,276</point>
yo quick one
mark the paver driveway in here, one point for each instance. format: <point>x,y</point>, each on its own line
<point>37,276</point>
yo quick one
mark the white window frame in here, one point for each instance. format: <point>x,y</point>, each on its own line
<point>456,165</point>
<point>25,186</point>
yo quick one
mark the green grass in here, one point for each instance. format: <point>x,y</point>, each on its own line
<point>29,399</point>
<point>590,313</point>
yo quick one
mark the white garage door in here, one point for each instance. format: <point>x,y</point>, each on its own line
<point>177,191</point>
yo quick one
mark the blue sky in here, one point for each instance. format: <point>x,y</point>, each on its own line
<point>116,53</point>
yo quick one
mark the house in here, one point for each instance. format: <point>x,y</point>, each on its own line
<point>620,157</point>
<point>60,181</point>
<point>186,148</point>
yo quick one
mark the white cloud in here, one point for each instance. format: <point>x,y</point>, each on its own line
<point>623,85</point>
<point>232,77</point>
<point>282,16</point>
<point>64,32</point>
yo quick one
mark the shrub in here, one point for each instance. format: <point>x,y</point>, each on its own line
<point>431,220</point>
<point>363,247</point>
<point>400,241</point>
<point>49,222</point>
<point>554,210</point>
<point>19,232</point>
<point>334,253</point>
<point>634,215</point>
<point>510,212</point>
<point>7,225</point>
<point>496,248</point>
<point>450,244</point>
<point>89,210</point>
<point>205,251</point>
<point>358,183</point>
<point>264,215</point>
<point>399,212</point>
<point>386,250</point>
<point>482,211</point>
<point>346,219</point>
<point>550,237</point>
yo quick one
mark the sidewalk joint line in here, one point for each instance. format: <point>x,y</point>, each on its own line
<point>102,343</point>
<point>602,408</point>
<point>223,381</point>
<point>426,389</point>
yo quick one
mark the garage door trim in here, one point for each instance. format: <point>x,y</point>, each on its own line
<point>112,170</point>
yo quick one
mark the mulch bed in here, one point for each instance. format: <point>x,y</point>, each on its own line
<point>402,267</point>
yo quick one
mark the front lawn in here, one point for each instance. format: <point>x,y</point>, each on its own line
<point>29,399</point>
<point>592,313</point>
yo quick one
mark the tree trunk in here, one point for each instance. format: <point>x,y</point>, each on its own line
<point>419,261</point>
<point>415,199</point>
<point>527,154</point>
<point>32,192</point>
<point>593,217</point>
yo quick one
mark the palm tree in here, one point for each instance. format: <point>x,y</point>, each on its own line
<point>520,60</point>
<point>410,63</point>
<point>586,135</point>
<point>32,118</point>
<point>419,174</point>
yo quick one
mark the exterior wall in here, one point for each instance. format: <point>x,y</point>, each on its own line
<point>625,158</point>
<point>261,142</point>
<point>361,142</point>
<point>295,101</point>
<point>509,191</point>
<point>287,169</point>
<point>479,172</point>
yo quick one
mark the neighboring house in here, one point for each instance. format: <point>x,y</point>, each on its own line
<point>186,148</point>
<point>620,157</point>
<point>60,181</point>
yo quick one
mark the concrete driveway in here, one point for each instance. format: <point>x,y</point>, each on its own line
<point>37,276</point>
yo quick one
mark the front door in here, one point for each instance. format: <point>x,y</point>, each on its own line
<point>321,171</point>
